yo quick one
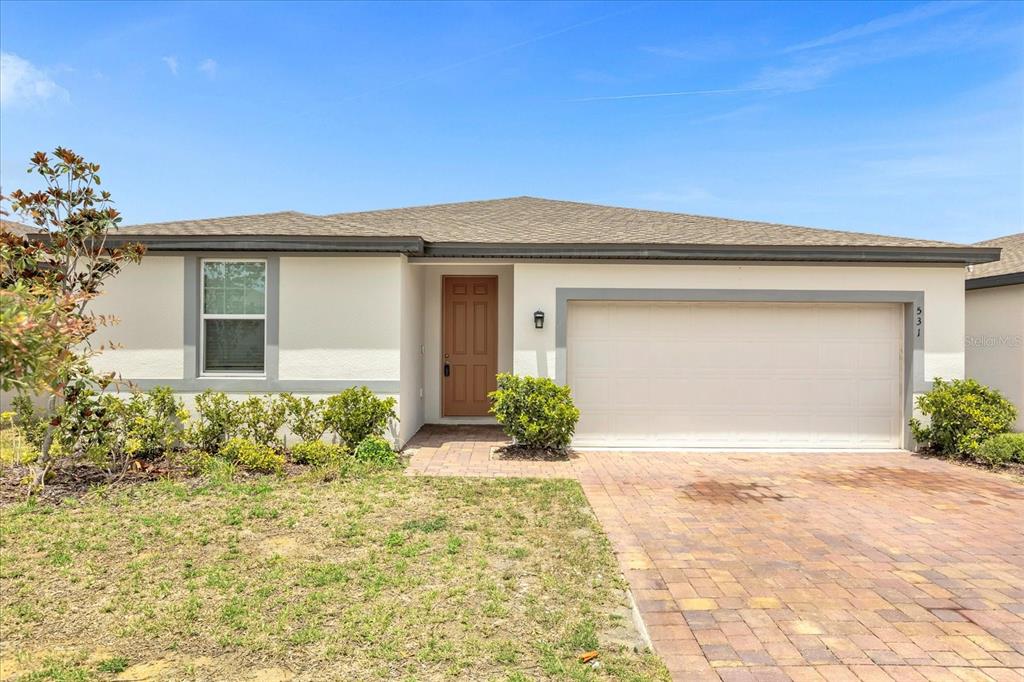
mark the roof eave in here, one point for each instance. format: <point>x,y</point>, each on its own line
<point>866,254</point>
<point>243,243</point>
<point>1003,280</point>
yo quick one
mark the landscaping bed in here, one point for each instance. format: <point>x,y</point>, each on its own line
<point>372,575</point>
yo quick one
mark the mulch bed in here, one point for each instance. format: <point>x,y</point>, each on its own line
<point>80,480</point>
<point>522,453</point>
<point>1011,469</point>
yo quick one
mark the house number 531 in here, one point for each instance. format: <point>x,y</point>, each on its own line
<point>918,319</point>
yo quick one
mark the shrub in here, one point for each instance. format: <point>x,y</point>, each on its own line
<point>32,425</point>
<point>146,424</point>
<point>14,447</point>
<point>318,453</point>
<point>357,413</point>
<point>1002,450</point>
<point>963,414</point>
<point>305,417</point>
<point>260,418</point>
<point>534,411</point>
<point>214,421</point>
<point>375,450</point>
<point>252,455</point>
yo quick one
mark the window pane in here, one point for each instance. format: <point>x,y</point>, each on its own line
<point>233,346</point>
<point>234,288</point>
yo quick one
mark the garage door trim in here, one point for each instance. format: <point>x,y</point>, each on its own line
<point>913,308</point>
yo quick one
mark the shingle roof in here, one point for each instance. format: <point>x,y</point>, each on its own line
<point>283,223</point>
<point>528,220</point>
<point>17,228</point>
<point>1011,260</point>
<point>531,220</point>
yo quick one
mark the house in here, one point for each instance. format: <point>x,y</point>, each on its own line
<point>672,330</point>
<point>995,321</point>
<point>19,229</point>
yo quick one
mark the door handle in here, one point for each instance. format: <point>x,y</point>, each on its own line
<point>447,369</point>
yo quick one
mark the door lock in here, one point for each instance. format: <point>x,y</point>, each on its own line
<point>447,369</point>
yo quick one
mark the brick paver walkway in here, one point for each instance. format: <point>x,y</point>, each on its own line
<point>774,566</point>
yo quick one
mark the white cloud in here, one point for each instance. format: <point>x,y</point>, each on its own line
<point>21,83</point>
<point>172,64</point>
<point>209,67</point>
<point>886,23</point>
<point>698,49</point>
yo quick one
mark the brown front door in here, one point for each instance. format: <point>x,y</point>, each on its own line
<point>470,361</point>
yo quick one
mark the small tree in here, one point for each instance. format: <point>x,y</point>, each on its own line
<point>47,283</point>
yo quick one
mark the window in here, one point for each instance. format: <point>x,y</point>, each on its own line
<point>234,321</point>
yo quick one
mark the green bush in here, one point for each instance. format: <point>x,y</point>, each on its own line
<point>1002,450</point>
<point>357,413</point>
<point>252,455</point>
<point>535,412</point>
<point>375,450</point>
<point>214,421</point>
<point>260,419</point>
<point>146,425</point>
<point>305,417</point>
<point>28,419</point>
<point>963,415</point>
<point>318,453</point>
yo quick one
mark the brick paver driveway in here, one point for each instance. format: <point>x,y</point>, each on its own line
<point>765,566</point>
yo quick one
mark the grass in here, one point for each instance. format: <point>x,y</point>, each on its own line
<point>374,576</point>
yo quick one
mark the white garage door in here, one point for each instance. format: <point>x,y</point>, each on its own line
<point>781,375</point>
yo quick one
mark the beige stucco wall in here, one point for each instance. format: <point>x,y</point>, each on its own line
<point>148,298</point>
<point>340,318</point>
<point>411,400</point>
<point>995,341</point>
<point>432,358</point>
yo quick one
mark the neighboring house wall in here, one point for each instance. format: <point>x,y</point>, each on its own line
<point>432,360</point>
<point>536,284</point>
<point>995,341</point>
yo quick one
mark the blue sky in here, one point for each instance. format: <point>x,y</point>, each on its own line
<point>902,118</point>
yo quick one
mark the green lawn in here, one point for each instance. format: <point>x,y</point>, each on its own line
<point>375,576</point>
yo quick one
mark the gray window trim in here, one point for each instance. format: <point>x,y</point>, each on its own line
<point>913,316</point>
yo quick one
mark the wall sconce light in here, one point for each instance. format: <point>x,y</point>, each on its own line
<point>538,319</point>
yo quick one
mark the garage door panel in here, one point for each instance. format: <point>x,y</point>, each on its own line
<point>835,393</point>
<point>728,374</point>
<point>631,391</point>
<point>794,354</point>
<point>881,356</point>
<point>878,395</point>
<point>837,355</point>
<point>592,354</point>
<point>629,320</point>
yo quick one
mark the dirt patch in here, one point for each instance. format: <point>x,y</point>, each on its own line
<point>286,546</point>
<point>522,453</point>
<point>169,667</point>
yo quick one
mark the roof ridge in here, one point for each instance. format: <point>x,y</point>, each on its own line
<point>225,217</point>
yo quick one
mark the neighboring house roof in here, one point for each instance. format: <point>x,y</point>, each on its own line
<point>17,228</point>
<point>1009,269</point>
<point>532,227</point>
